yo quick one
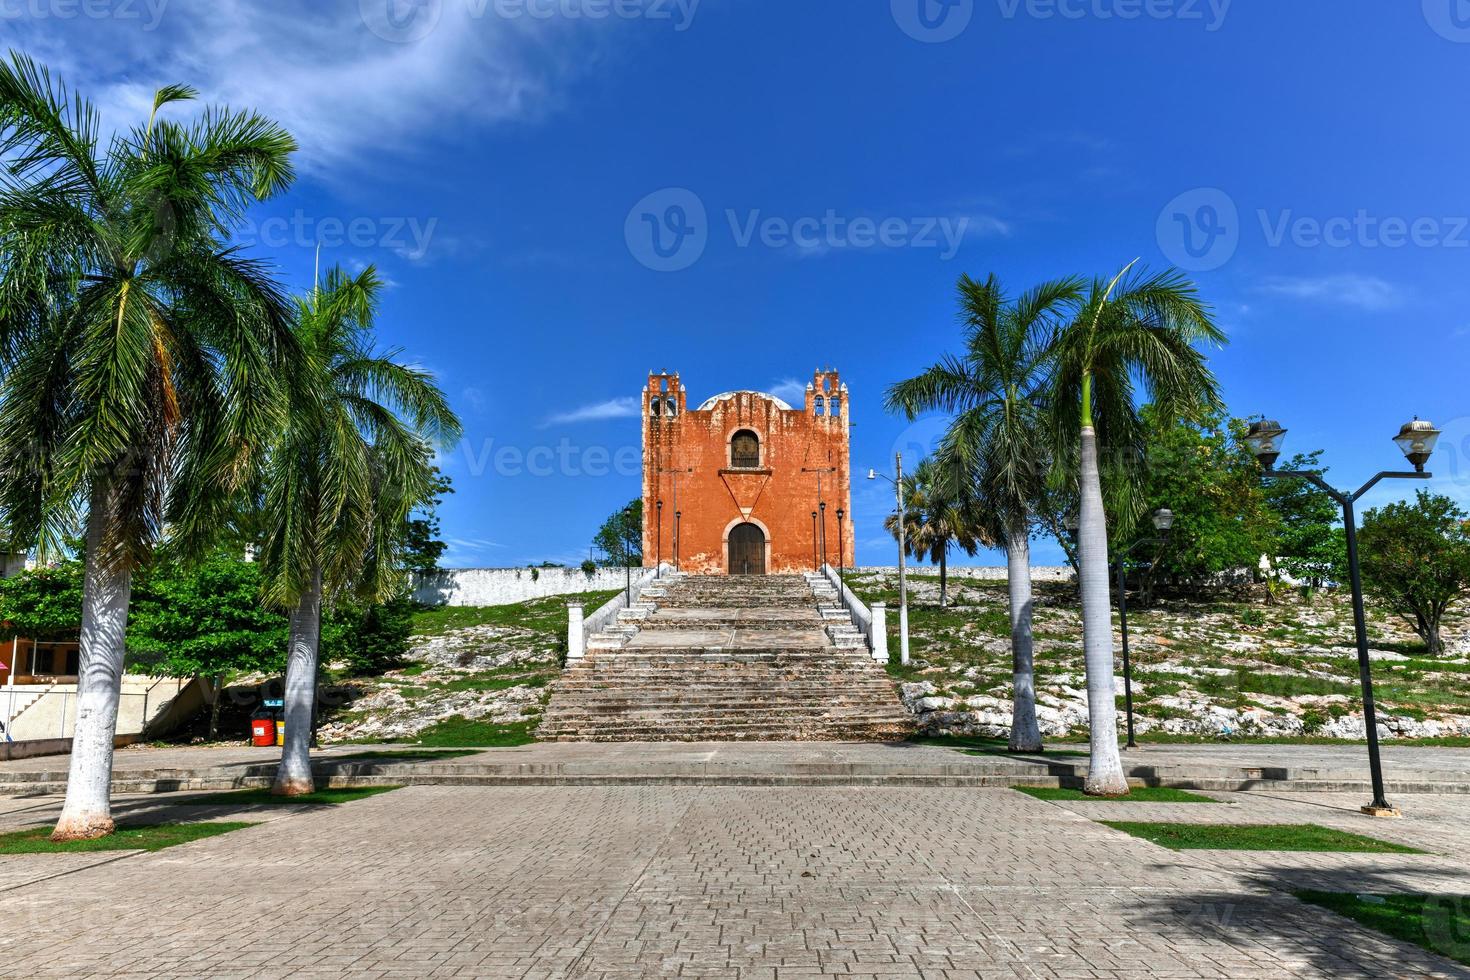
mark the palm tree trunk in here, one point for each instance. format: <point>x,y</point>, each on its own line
<point>106,592</point>
<point>293,777</point>
<point>1025,733</point>
<point>1105,770</point>
<point>943,576</point>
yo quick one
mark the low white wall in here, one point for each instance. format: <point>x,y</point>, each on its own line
<point>52,746</point>
<point>978,573</point>
<point>862,616</point>
<point>504,586</point>
<point>599,620</point>
<point>49,711</point>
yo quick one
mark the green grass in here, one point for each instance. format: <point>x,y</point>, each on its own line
<point>141,837</point>
<point>263,797</point>
<point>1255,837</point>
<point>400,755</point>
<point>1170,738</point>
<point>1438,923</point>
<point>547,615</point>
<point>983,745</point>
<point>478,682</point>
<point>460,731</point>
<point>1139,794</point>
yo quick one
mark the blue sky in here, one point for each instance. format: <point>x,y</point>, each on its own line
<point>496,158</point>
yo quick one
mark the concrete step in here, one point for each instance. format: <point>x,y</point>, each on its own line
<point>815,730</point>
<point>716,658</point>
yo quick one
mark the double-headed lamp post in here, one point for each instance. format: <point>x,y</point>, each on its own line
<point>1163,520</point>
<point>1416,439</point>
<point>903,583</point>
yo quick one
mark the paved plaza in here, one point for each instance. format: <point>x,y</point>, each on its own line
<point>1223,766</point>
<point>749,882</point>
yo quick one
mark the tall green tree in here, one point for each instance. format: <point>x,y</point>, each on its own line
<point>620,539</point>
<point>204,619</point>
<point>1203,471</point>
<point>349,464</point>
<point>1416,559</point>
<point>423,547</point>
<point>996,392</point>
<point>138,353</point>
<point>939,515</point>
<point>1311,545</point>
<point>1133,339</point>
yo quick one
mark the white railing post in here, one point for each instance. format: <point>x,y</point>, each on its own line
<point>878,637</point>
<point>576,640</point>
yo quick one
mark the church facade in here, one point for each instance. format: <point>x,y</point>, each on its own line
<point>745,484</point>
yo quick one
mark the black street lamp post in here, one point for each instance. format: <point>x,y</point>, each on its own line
<point>841,557</point>
<point>1416,439</point>
<point>1163,519</point>
<point>678,514</point>
<point>658,554</point>
<point>823,508</point>
<point>816,561</point>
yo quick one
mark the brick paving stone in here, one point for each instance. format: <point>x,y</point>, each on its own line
<point>746,883</point>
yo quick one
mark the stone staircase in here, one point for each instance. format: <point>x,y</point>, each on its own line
<point>717,658</point>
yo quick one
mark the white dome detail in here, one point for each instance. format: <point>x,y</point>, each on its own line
<point>710,403</point>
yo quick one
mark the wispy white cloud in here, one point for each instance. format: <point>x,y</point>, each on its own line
<point>1347,289</point>
<point>789,390</point>
<point>613,408</point>
<point>347,93</point>
<point>467,552</point>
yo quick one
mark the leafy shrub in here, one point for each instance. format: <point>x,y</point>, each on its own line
<point>368,640</point>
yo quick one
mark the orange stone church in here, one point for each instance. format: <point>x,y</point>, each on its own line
<point>745,484</point>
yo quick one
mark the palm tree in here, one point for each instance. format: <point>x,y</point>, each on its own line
<point>996,392</point>
<point>347,467</point>
<point>939,515</point>
<point>1135,331</point>
<point>137,350</point>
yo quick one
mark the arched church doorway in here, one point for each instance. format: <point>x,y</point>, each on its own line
<point>747,550</point>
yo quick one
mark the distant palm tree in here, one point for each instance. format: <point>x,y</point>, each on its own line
<point>1135,331</point>
<point>938,516</point>
<point>137,352</point>
<point>996,390</point>
<point>341,476</point>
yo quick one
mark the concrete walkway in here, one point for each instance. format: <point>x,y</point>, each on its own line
<point>1263,768</point>
<point>721,882</point>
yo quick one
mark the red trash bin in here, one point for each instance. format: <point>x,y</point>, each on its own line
<point>263,732</point>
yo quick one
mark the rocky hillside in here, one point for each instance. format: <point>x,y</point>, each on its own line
<point>1229,666</point>
<point>475,676</point>
<point>1203,667</point>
